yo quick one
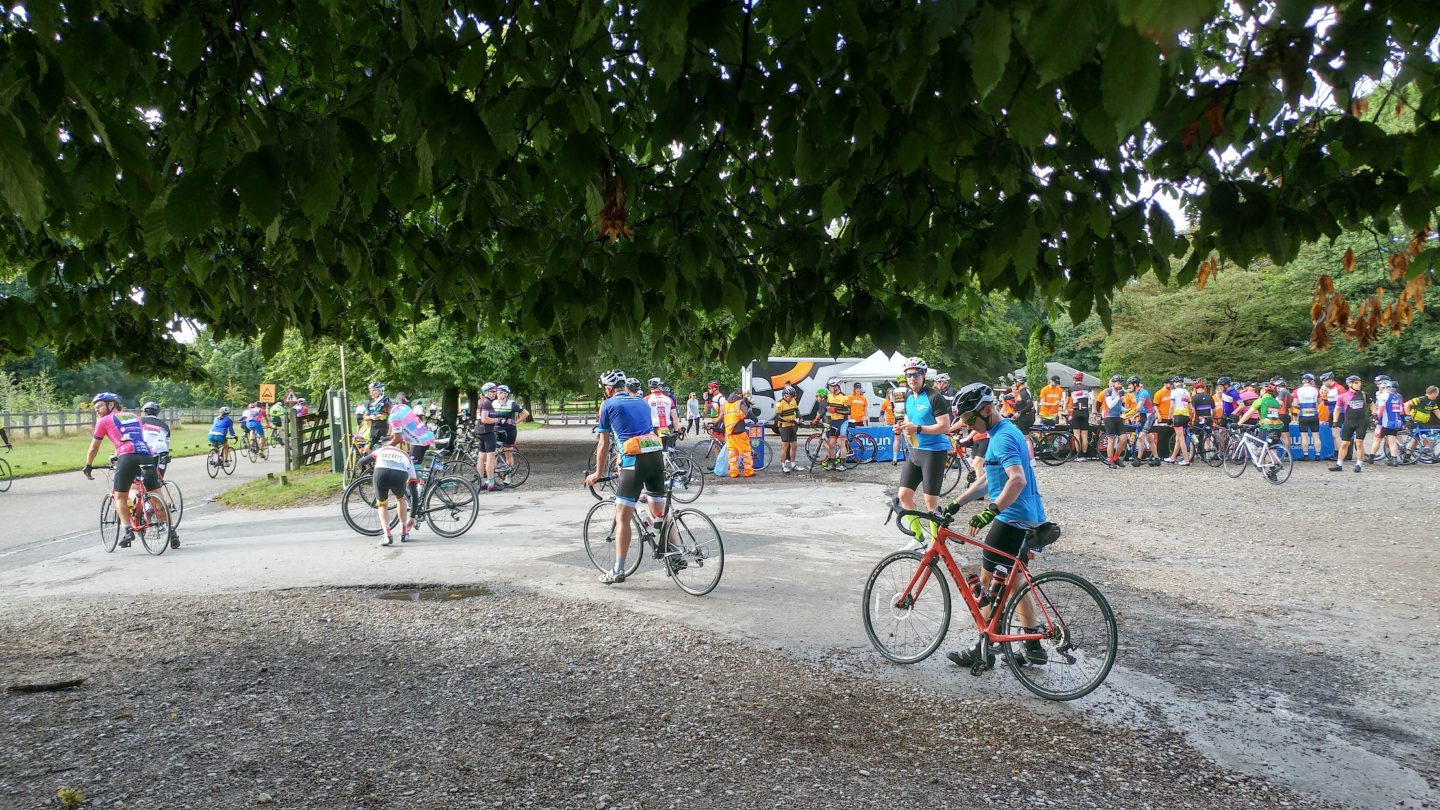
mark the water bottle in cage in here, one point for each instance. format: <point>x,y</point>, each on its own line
<point>997,585</point>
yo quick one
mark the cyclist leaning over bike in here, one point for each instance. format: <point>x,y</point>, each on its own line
<point>926,425</point>
<point>220,429</point>
<point>407,424</point>
<point>835,407</point>
<point>156,432</point>
<point>625,420</point>
<point>1267,411</point>
<point>394,472</point>
<point>1007,481</point>
<point>133,458</point>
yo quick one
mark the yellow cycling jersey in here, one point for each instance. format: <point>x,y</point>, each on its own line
<point>785,413</point>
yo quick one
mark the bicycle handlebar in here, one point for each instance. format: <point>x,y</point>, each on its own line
<point>940,518</point>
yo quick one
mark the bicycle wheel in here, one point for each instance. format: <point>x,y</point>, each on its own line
<point>212,464</point>
<point>231,462</point>
<point>513,467</point>
<point>1236,457</point>
<point>443,435</point>
<point>861,448</point>
<point>599,534</point>
<point>1056,449</point>
<point>695,556</point>
<point>1276,464</point>
<point>686,479</point>
<point>357,506</point>
<point>955,470</point>
<point>461,469</point>
<point>174,503</point>
<point>5,476</point>
<point>766,456</point>
<point>109,524</point>
<point>451,506</point>
<point>156,534</point>
<point>815,447</point>
<point>911,630</point>
<point>1080,636</point>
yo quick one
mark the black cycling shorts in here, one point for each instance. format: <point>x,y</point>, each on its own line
<point>1080,421</point>
<point>832,428</point>
<point>1309,423</point>
<point>647,474</point>
<point>1006,538</point>
<point>1114,426</point>
<point>1025,422</point>
<point>131,466</point>
<point>788,434</point>
<point>505,434</point>
<point>1350,432</point>
<point>486,442</point>
<point>417,454</point>
<point>1386,432</point>
<point>923,470</point>
<point>390,482</point>
<point>1285,419</point>
<point>1181,421</point>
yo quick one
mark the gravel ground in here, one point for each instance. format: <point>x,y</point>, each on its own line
<point>332,698</point>
<point>1308,606</point>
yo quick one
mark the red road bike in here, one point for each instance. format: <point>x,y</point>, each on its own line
<point>907,612</point>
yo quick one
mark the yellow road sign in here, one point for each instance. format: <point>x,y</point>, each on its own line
<point>267,393</point>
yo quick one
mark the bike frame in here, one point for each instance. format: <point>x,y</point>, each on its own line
<point>939,550</point>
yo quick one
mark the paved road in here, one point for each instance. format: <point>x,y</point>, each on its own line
<point>52,515</point>
<point>797,554</point>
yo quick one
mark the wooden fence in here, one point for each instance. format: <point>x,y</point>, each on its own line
<point>568,412</point>
<point>41,424</point>
<point>310,444</point>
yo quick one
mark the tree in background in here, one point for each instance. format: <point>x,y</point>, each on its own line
<point>1036,350</point>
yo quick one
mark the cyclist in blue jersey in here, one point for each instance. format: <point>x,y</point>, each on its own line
<point>625,419</point>
<point>1112,406</point>
<point>1007,481</point>
<point>1145,420</point>
<point>1389,419</point>
<point>926,428</point>
<point>1229,398</point>
<point>222,427</point>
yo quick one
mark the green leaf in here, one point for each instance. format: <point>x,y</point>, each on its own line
<point>258,184</point>
<point>187,44</point>
<point>1129,78</point>
<point>834,202</point>
<point>190,208</point>
<point>990,51</point>
<point>274,337</point>
<point>1162,19</point>
<point>153,223</point>
<point>912,152</point>
<point>20,185</point>
<point>1061,37</point>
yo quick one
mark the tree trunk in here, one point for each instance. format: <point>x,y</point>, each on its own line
<point>450,406</point>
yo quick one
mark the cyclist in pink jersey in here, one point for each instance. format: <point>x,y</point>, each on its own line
<point>133,459</point>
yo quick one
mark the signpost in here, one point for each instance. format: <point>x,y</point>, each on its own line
<point>267,393</point>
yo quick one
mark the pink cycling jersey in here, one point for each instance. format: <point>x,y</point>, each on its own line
<point>124,432</point>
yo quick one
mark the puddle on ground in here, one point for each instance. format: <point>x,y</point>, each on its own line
<point>434,594</point>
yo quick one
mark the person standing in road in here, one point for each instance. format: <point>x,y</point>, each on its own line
<point>1354,422</point>
<point>926,428</point>
<point>692,415</point>
<point>487,436</point>
<point>737,435</point>
<point>1181,412</point>
<point>787,425</point>
<point>1332,389</point>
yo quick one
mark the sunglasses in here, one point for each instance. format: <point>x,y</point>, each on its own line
<point>914,374</point>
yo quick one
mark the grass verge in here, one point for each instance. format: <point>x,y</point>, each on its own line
<point>62,454</point>
<point>313,485</point>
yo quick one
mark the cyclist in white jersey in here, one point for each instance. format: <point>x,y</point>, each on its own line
<point>1306,399</point>
<point>394,471</point>
<point>664,415</point>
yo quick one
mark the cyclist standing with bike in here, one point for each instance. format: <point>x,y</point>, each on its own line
<point>625,419</point>
<point>835,408</point>
<point>394,471</point>
<point>926,428</point>
<point>1077,413</point>
<point>157,437</point>
<point>485,433</point>
<point>1007,481</point>
<point>132,455</point>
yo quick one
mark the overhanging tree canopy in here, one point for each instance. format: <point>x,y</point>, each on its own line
<point>574,167</point>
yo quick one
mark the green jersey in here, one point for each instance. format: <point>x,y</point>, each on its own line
<point>1269,409</point>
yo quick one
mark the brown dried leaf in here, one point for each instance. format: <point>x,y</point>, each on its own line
<point>1215,117</point>
<point>1359,107</point>
<point>1204,277</point>
<point>1339,313</point>
<point>1319,337</point>
<point>1324,286</point>
<point>1192,134</point>
<point>1398,263</point>
<point>1349,260</point>
<point>1400,107</point>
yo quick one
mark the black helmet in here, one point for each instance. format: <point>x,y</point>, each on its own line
<point>1223,381</point>
<point>1114,378</point>
<point>151,408</point>
<point>972,398</point>
<point>1132,380</point>
<point>1353,378</point>
<point>1277,381</point>
<point>1327,376</point>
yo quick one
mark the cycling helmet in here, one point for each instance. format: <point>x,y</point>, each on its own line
<point>615,378</point>
<point>916,364</point>
<point>1307,377</point>
<point>972,398</point>
<point>377,386</point>
<point>1223,381</point>
<point>790,391</point>
<point>711,384</point>
<point>1277,380</point>
<point>1327,376</point>
<point>942,377</point>
<point>106,396</point>
<point>1132,380</point>
<point>655,382</point>
<point>1079,376</point>
<point>1353,378</point>
<point>632,383</point>
<point>1379,378</point>
<point>1055,378</point>
<point>833,381</point>
<point>1114,378</point>
<point>151,408</point>
<point>1019,378</point>
<point>503,387</point>
<point>225,411</point>
<point>487,388</point>
<point>1268,386</point>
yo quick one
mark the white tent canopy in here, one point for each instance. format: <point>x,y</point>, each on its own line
<point>877,366</point>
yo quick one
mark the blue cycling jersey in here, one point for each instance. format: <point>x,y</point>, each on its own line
<point>922,409</point>
<point>624,416</point>
<point>1008,448</point>
<point>222,426</point>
